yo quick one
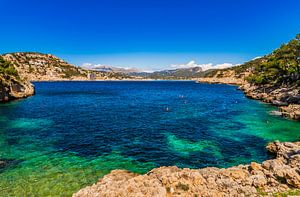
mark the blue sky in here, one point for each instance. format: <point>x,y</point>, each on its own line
<point>149,34</point>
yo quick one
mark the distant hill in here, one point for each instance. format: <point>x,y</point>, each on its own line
<point>46,67</point>
<point>103,68</point>
<point>183,73</point>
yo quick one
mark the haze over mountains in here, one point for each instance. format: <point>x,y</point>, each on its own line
<point>176,71</point>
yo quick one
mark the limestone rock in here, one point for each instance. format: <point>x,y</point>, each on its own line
<point>276,175</point>
<point>13,88</point>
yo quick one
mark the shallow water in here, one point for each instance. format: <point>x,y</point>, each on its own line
<point>71,133</point>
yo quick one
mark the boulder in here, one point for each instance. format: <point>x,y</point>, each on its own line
<point>12,88</point>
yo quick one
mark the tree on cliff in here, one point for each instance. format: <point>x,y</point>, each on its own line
<point>6,68</point>
<point>282,66</point>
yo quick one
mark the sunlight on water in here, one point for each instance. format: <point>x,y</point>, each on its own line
<point>185,147</point>
<point>71,134</point>
<point>27,123</point>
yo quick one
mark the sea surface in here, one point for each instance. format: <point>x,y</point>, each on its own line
<point>70,134</point>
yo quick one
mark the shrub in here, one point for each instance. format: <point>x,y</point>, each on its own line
<point>7,68</point>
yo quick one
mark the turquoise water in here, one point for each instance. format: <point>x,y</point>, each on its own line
<point>70,134</point>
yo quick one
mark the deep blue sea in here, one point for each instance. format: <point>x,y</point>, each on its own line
<point>70,134</point>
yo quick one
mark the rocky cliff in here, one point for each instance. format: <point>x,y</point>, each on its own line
<point>286,96</point>
<point>274,78</point>
<point>46,67</point>
<point>278,175</point>
<point>12,86</point>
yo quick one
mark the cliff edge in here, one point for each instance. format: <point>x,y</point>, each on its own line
<point>12,86</point>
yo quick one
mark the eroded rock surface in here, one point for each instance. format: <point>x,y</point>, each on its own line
<point>277,175</point>
<point>286,98</point>
<point>13,88</point>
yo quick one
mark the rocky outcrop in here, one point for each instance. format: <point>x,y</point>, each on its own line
<point>272,176</point>
<point>292,111</point>
<point>273,78</point>
<point>12,86</point>
<point>285,97</point>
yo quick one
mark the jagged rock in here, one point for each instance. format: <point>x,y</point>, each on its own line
<point>286,98</point>
<point>292,111</point>
<point>279,103</point>
<point>13,88</point>
<point>276,175</point>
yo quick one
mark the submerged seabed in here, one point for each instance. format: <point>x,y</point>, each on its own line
<point>71,133</point>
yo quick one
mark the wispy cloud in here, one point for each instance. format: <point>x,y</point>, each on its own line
<point>108,67</point>
<point>190,64</point>
<point>93,66</point>
<point>204,67</point>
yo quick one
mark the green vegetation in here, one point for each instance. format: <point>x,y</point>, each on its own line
<point>294,192</point>
<point>282,66</point>
<point>7,68</point>
<point>177,74</point>
<point>261,192</point>
<point>70,72</point>
<point>117,75</point>
<point>182,186</point>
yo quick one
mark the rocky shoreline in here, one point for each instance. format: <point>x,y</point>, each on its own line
<point>286,98</point>
<point>278,175</point>
<point>12,88</point>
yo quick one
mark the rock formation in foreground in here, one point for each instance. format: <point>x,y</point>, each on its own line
<point>12,86</point>
<point>277,175</point>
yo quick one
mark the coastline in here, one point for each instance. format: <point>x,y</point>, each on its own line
<point>285,98</point>
<point>286,109</point>
<point>240,179</point>
<point>276,176</point>
<point>87,80</point>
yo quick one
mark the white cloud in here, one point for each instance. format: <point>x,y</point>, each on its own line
<point>257,57</point>
<point>190,64</point>
<point>105,67</point>
<point>203,66</point>
<point>86,65</point>
<point>91,66</point>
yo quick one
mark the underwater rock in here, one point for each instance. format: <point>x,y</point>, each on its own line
<point>6,163</point>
